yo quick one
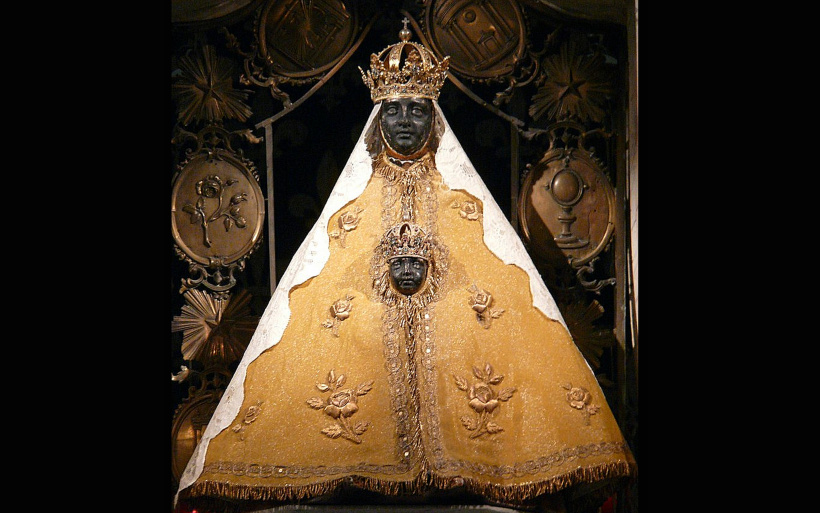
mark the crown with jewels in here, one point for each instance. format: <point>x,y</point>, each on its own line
<point>405,70</point>
<point>406,239</point>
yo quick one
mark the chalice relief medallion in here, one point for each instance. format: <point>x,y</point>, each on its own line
<point>567,188</point>
<point>567,206</point>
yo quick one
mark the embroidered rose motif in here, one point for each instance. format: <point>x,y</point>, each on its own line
<point>580,399</point>
<point>340,310</point>
<point>253,412</point>
<point>484,400</point>
<point>251,415</point>
<point>468,210</point>
<point>480,301</point>
<point>341,405</point>
<point>347,222</point>
<point>350,220</point>
<point>481,398</point>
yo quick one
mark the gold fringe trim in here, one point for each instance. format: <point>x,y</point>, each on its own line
<point>512,494</point>
<point>519,493</point>
<point>292,493</point>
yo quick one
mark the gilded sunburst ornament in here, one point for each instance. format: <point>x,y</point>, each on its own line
<point>215,331</point>
<point>204,90</point>
<point>576,86</point>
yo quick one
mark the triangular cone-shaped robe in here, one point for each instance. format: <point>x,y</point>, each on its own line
<point>475,384</point>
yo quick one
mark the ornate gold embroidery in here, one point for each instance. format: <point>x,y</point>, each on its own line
<point>468,210</point>
<point>480,301</point>
<point>340,405</point>
<point>407,194</point>
<point>580,399</point>
<point>341,311</point>
<point>413,185</point>
<point>549,462</point>
<point>484,400</point>
<point>250,415</point>
<point>348,221</point>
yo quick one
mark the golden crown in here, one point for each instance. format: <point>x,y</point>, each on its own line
<point>405,70</point>
<point>406,239</point>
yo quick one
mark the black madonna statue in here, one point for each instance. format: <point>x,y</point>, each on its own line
<point>411,350</point>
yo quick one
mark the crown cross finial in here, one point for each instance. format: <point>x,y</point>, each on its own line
<point>405,33</point>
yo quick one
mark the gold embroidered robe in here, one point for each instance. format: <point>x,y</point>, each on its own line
<point>478,389</point>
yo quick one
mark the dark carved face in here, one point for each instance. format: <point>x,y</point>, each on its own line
<point>406,123</point>
<point>407,274</point>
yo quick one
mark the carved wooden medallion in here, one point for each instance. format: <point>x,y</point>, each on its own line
<point>299,39</point>
<point>217,208</point>
<point>484,40</point>
<point>567,206</point>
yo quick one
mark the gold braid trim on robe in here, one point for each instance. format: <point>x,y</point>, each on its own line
<point>511,494</point>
